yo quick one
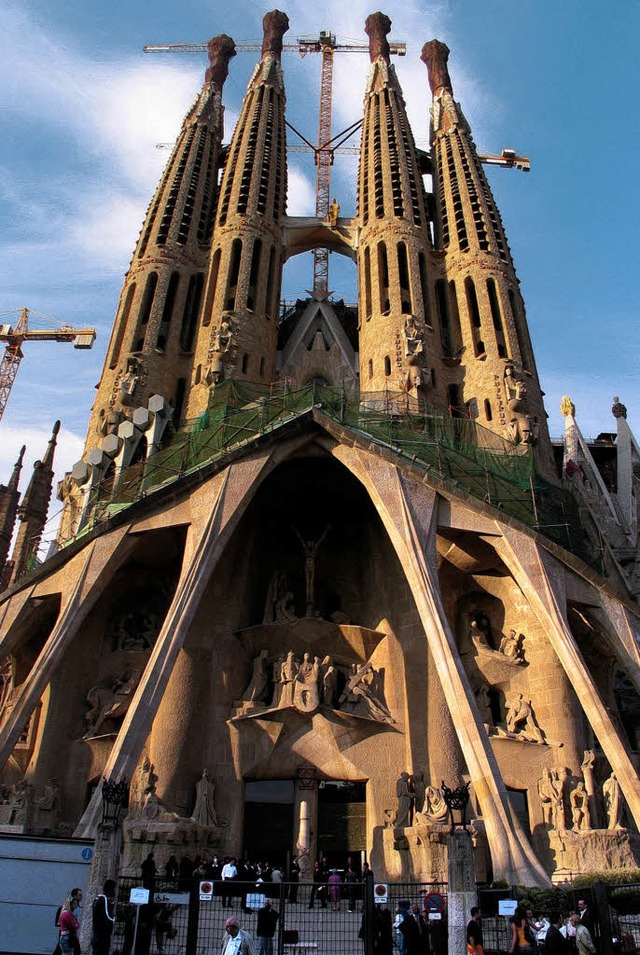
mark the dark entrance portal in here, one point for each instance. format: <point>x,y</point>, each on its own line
<point>341,822</point>
<point>268,820</point>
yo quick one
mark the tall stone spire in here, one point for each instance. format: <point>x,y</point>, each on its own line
<point>33,510</point>
<point>238,336</point>
<point>397,344</point>
<point>9,498</point>
<point>151,347</point>
<point>481,311</point>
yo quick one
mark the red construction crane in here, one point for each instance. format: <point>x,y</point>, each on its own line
<point>16,335</point>
<point>324,152</point>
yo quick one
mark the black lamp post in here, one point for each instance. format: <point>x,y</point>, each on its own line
<point>457,801</point>
<point>114,798</point>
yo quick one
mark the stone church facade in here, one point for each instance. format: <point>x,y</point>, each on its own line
<point>319,565</point>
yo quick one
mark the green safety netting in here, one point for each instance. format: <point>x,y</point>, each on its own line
<point>456,450</point>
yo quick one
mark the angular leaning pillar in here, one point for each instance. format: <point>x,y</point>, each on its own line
<point>541,579</point>
<point>408,510</point>
<point>76,604</point>
<point>206,543</point>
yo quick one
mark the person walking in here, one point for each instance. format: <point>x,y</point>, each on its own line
<point>474,931</point>
<point>236,941</point>
<point>266,928</point>
<point>522,936</point>
<point>103,919</point>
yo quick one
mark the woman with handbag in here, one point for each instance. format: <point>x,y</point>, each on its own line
<point>69,927</point>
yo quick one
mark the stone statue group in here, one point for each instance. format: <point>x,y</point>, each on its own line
<point>308,682</point>
<point>555,792</point>
<point>416,799</point>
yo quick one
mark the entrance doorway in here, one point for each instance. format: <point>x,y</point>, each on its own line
<point>268,820</point>
<point>342,822</point>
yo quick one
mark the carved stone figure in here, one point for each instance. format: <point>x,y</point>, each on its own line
<point>50,800</point>
<point>334,212</point>
<point>390,816</point>
<point>310,552</point>
<point>130,378</point>
<point>257,687</point>
<point>612,802</point>
<point>289,673</point>
<point>511,646</point>
<point>403,792</point>
<point>480,630</point>
<point>483,699</point>
<point>110,702</point>
<point>520,719</point>
<point>588,761</point>
<point>547,795</point>
<point>435,808</point>
<point>284,609</point>
<point>21,804</point>
<point>223,339</point>
<point>413,337</point>
<point>204,813</point>
<point>277,680</point>
<point>329,683</point>
<point>579,802</point>
<point>419,788</point>
<point>305,688</point>
<point>557,785</point>
<point>363,694</point>
<point>520,424</point>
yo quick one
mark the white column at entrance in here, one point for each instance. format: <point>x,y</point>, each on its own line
<point>305,816</point>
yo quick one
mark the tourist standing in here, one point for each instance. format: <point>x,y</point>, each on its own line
<point>236,941</point>
<point>69,927</point>
<point>555,942</point>
<point>266,928</point>
<point>103,919</point>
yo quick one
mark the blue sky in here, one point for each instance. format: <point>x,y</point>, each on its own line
<point>82,110</point>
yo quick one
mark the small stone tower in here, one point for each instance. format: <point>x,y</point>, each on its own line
<point>238,336</point>
<point>33,510</point>
<point>397,342</point>
<point>9,499</point>
<point>481,312</point>
<point>151,347</point>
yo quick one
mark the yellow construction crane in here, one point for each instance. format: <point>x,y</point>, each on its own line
<point>16,335</point>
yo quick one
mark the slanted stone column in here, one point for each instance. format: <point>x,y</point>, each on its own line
<point>542,580</point>
<point>408,511</point>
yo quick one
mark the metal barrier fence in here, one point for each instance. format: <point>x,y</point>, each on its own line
<point>320,919</point>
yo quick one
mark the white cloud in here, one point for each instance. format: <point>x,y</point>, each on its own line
<point>301,193</point>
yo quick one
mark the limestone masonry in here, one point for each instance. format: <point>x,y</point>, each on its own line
<point>327,559</point>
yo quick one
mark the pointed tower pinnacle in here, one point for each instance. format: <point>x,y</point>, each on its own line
<point>238,335</point>
<point>151,348</point>
<point>397,342</point>
<point>33,510</point>
<point>480,309</point>
<point>9,498</point>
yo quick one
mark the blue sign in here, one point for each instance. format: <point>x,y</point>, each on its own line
<point>87,854</point>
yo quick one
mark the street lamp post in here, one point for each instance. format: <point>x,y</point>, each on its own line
<point>107,849</point>
<point>461,895</point>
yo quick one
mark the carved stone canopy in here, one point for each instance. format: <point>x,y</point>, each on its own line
<point>345,643</point>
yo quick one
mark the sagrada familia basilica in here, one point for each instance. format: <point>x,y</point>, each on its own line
<point>328,559</point>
